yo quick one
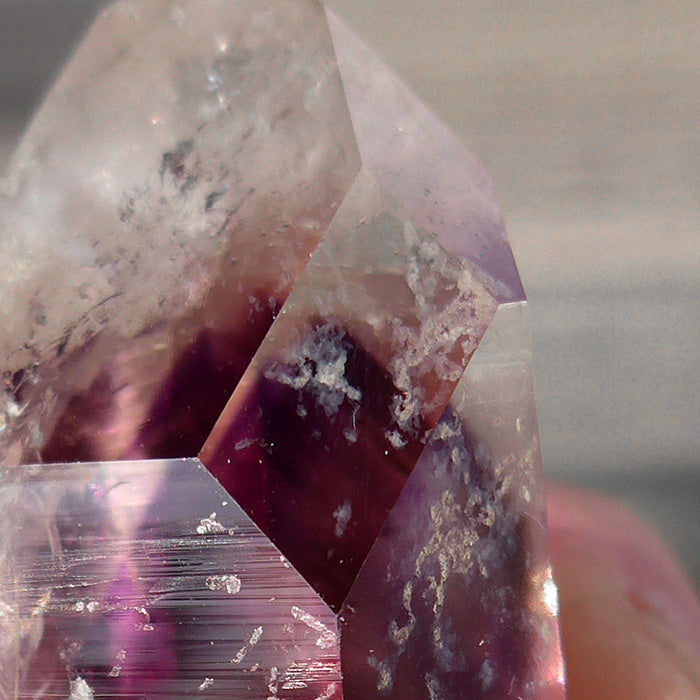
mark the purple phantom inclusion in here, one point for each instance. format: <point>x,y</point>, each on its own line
<point>246,206</point>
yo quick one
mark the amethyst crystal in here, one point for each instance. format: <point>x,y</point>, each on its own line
<point>267,427</point>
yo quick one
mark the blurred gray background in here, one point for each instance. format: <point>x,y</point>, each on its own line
<point>587,115</point>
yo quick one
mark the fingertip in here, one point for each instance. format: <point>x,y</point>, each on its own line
<point>630,618</point>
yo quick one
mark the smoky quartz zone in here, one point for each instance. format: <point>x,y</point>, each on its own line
<point>268,427</point>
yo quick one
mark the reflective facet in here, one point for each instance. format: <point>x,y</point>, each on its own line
<point>442,186</point>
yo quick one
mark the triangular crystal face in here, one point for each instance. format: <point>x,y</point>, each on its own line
<point>144,579</point>
<point>231,231</point>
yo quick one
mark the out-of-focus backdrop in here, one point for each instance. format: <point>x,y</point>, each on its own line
<point>587,115</point>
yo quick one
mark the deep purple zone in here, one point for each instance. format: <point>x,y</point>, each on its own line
<point>293,469</point>
<point>189,402</point>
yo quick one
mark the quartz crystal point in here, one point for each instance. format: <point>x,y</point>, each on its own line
<point>267,427</point>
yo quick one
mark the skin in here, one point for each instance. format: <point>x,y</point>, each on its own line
<point>630,617</point>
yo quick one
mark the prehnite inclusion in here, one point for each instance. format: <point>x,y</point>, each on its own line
<point>267,426</point>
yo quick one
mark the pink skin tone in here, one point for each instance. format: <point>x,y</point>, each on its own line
<point>630,618</point>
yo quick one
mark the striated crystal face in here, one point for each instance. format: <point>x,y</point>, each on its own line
<point>117,584</point>
<point>267,426</point>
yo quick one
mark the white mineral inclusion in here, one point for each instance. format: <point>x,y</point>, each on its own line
<point>317,365</point>
<point>206,683</point>
<point>228,582</point>
<point>211,526</point>
<point>80,690</point>
<point>118,663</point>
<point>328,693</point>
<point>254,638</point>
<point>327,638</point>
<point>342,515</point>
